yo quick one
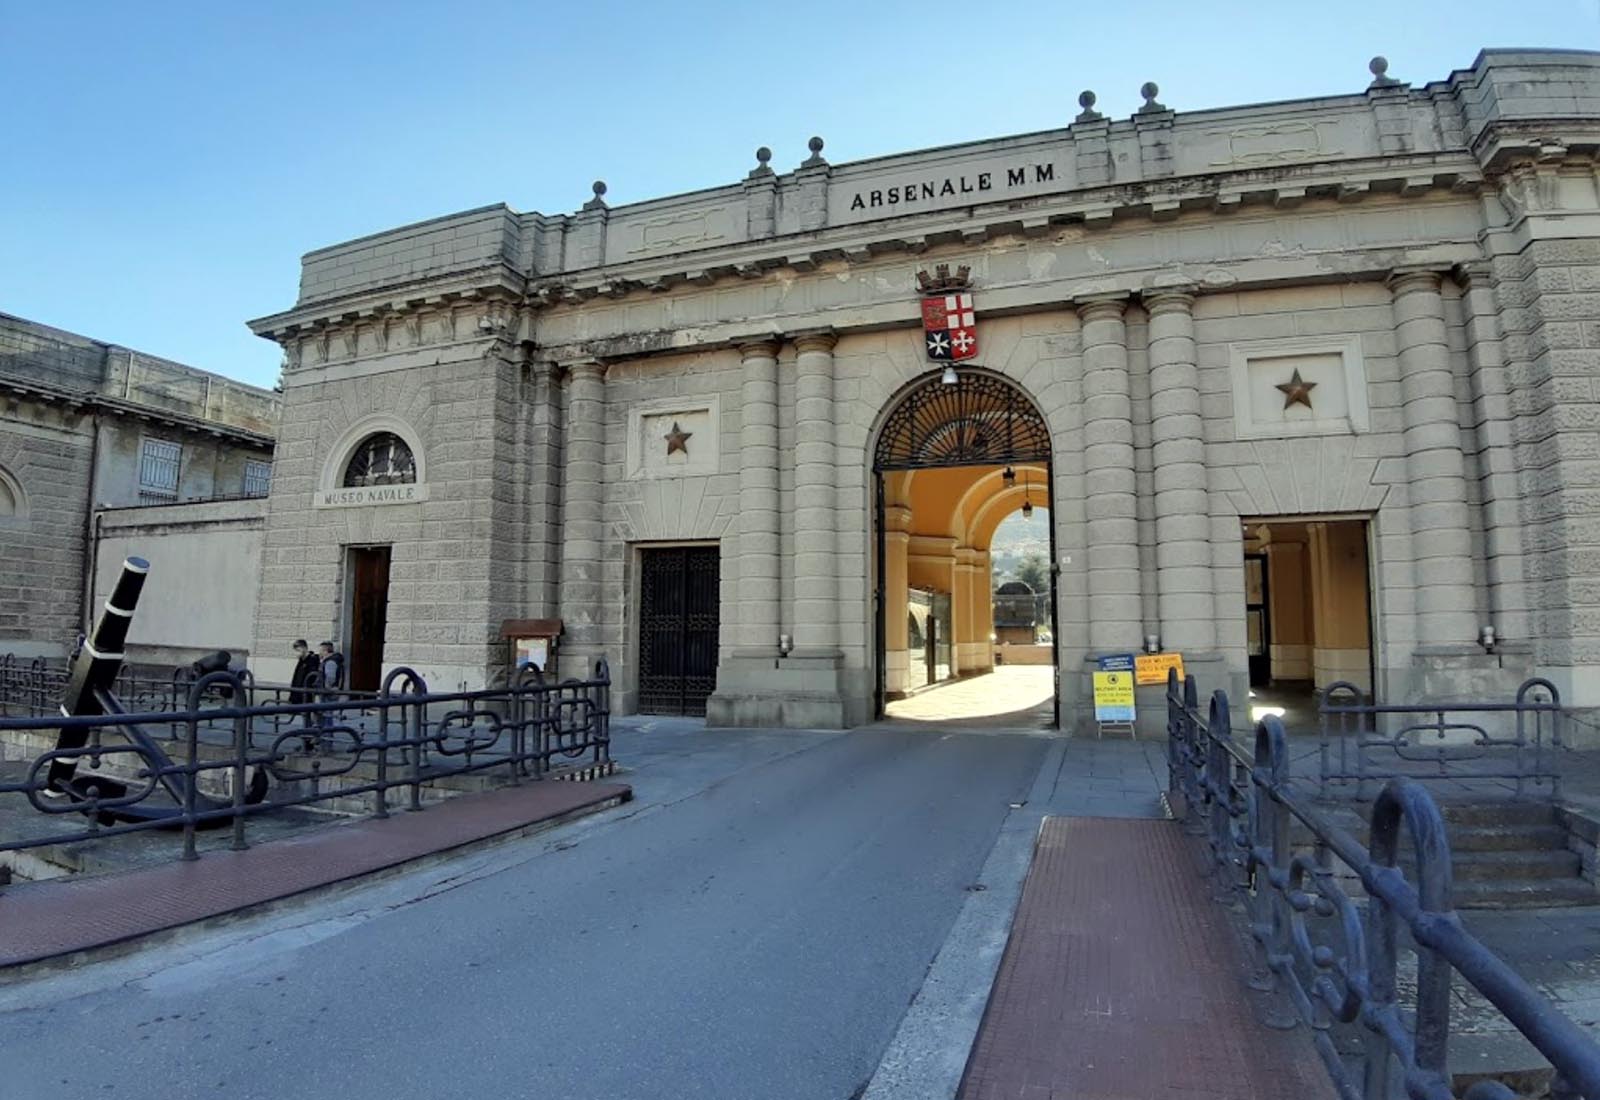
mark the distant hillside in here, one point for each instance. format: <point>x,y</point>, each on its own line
<point>1017,538</point>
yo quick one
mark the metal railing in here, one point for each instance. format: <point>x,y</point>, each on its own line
<point>265,758</point>
<point>1333,956</point>
<point>1365,743</point>
<point>33,686</point>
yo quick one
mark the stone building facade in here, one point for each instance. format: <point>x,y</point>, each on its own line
<point>1369,323</point>
<point>86,426</point>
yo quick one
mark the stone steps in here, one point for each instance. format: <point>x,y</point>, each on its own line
<point>1513,866</point>
<point>1504,853</point>
<point>1525,893</point>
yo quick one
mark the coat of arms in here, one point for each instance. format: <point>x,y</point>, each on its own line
<point>949,327</point>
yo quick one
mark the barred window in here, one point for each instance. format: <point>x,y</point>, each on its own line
<point>159,462</point>
<point>257,478</point>
<point>382,459</point>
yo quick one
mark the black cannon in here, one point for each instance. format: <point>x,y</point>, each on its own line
<point>90,693</point>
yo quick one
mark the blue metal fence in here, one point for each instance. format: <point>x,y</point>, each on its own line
<point>1334,956</point>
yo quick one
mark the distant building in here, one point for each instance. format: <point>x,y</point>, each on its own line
<point>87,427</point>
<point>1018,615</point>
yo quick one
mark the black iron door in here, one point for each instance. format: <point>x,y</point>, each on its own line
<point>679,612</point>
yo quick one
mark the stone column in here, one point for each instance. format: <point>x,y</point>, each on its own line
<point>896,579</point>
<point>1113,555</point>
<point>963,627</point>
<point>582,495</point>
<point>816,586</point>
<point>756,633</point>
<point>1183,525</point>
<point>984,608</point>
<point>1435,468</point>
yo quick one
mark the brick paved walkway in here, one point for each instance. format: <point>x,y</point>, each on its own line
<point>1122,980</point>
<point>45,920</point>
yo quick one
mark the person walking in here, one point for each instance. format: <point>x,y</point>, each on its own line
<point>307,670</point>
<point>332,666</point>
<point>332,676</point>
<point>307,676</point>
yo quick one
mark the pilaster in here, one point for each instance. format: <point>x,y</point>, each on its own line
<point>1183,527</point>
<point>802,687</point>
<point>816,611</point>
<point>1109,488</point>
<point>1509,606</point>
<point>761,198</point>
<point>759,554</point>
<point>896,639</point>
<point>1435,466</point>
<point>586,236</point>
<point>1091,144</point>
<point>545,470</point>
<point>581,507</point>
<point>811,183</point>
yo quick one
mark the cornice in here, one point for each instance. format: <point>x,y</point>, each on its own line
<point>1094,208</point>
<point>96,402</point>
<point>497,283</point>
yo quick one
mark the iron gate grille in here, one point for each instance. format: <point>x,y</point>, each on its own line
<point>678,619</point>
<point>980,420</point>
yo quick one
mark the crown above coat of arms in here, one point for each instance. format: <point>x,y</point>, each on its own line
<point>949,324</point>
<point>942,282</point>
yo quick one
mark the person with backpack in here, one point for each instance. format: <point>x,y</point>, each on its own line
<point>332,666</point>
<point>330,671</point>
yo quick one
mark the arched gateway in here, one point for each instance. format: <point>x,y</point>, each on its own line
<point>957,453</point>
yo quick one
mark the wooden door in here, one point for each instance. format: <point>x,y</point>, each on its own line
<point>369,615</point>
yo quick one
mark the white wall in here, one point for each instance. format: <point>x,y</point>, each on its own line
<point>205,566</point>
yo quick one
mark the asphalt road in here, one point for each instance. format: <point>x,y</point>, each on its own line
<point>754,925</point>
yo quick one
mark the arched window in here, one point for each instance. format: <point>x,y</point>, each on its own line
<point>382,459</point>
<point>13,504</point>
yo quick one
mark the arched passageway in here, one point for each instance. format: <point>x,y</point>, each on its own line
<point>953,461</point>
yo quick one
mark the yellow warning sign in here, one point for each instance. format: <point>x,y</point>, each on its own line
<point>1113,696</point>
<point>1151,668</point>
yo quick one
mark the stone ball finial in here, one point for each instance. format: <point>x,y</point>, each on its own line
<point>815,159</point>
<point>1149,89</point>
<point>1086,99</point>
<point>599,188</point>
<point>762,170</point>
<point>1379,68</point>
<point>598,202</point>
<point>815,145</point>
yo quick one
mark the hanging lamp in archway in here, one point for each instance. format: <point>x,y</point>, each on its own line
<point>980,420</point>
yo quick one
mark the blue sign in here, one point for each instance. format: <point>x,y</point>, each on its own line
<point>1116,662</point>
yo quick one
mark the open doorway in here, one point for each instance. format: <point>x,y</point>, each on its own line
<point>368,573</point>
<point>1308,609</point>
<point>963,500</point>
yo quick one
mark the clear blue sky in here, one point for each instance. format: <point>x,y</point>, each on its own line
<point>165,164</point>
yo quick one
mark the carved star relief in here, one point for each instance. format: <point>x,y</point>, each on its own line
<point>1296,391</point>
<point>677,439</point>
